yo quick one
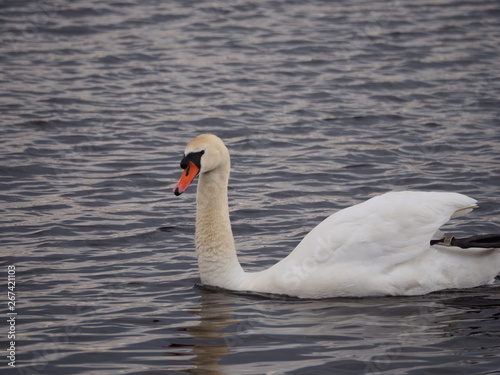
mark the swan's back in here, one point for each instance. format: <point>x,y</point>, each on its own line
<point>384,230</point>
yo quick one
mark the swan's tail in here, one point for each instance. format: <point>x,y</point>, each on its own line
<point>463,211</point>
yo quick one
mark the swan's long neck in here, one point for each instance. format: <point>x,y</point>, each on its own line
<point>217,259</point>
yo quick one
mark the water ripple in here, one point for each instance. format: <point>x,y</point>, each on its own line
<point>322,105</point>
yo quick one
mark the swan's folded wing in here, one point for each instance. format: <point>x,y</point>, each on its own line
<point>382,232</point>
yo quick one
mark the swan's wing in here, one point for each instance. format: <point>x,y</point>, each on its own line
<point>382,232</point>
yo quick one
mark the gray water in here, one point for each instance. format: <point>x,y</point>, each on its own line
<point>322,104</point>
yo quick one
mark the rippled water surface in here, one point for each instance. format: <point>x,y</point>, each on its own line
<point>322,104</point>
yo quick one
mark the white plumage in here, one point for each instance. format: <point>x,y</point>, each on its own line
<point>378,247</point>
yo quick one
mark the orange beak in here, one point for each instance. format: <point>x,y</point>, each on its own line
<point>187,177</point>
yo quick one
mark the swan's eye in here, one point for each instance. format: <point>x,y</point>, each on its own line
<point>194,157</point>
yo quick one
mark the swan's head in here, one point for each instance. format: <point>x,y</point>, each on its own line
<point>203,154</point>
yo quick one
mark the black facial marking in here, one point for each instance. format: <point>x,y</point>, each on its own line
<point>194,157</point>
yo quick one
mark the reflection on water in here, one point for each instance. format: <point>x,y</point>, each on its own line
<point>210,341</point>
<point>362,335</point>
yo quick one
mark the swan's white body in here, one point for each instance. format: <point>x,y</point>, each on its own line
<point>378,247</point>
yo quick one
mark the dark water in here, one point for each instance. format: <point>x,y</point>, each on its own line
<point>322,105</point>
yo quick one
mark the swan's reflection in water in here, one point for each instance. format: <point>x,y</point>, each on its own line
<point>226,322</point>
<point>211,341</point>
<point>234,334</point>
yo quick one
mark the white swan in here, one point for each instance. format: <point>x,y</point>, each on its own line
<point>379,247</point>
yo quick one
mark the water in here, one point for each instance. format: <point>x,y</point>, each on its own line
<point>321,104</point>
